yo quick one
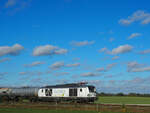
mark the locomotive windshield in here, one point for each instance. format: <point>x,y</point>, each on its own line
<point>91,88</point>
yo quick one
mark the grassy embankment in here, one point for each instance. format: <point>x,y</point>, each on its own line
<point>21,110</point>
<point>123,100</point>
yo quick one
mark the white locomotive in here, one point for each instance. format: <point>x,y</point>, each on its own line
<point>79,92</point>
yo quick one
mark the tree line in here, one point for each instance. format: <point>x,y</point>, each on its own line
<point>123,94</point>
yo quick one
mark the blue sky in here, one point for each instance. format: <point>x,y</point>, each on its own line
<point>103,42</point>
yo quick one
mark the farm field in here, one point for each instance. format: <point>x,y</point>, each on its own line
<point>18,110</point>
<point>123,100</point>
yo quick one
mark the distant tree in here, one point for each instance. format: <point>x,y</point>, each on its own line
<point>119,94</point>
<point>122,94</point>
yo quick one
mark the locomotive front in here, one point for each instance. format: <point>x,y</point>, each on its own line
<point>92,93</point>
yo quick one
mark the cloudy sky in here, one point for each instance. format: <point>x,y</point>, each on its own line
<point>103,42</point>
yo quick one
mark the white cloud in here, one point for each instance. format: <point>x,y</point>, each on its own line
<point>23,73</point>
<point>121,49</point>
<point>143,69</point>
<point>62,81</point>
<point>37,63</point>
<point>3,73</point>
<point>133,35</point>
<point>105,50</point>
<point>96,82</point>
<point>138,16</point>
<point>14,50</point>
<point>115,57</point>
<point>145,51</point>
<point>147,20</point>
<point>10,7</point>
<point>48,50</point>
<point>89,74</point>
<point>100,69</point>
<point>57,65</point>
<point>4,60</point>
<point>134,66</point>
<point>61,73</point>
<point>110,66</point>
<point>44,50</point>
<point>31,73</point>
<point>112,82</point>
<point>37,80</point>
<point>61,64</point>
<point>61,51</point>
<point>82,43</point>
<point>73,65</point>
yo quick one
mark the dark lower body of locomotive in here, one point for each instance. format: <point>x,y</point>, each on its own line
<point>69,99</point>
<point>8,98</point>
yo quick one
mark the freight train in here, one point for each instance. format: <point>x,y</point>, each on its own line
<point>75,92</point>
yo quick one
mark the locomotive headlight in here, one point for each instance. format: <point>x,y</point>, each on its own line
<point>88,95</point>
<point>91,95</point>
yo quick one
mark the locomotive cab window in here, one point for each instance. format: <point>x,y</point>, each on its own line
<point>73,92</point>
<point>91,89</point>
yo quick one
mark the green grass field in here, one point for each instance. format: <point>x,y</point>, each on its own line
<point>21,110</point>
<point>123,100</point>
<point>102,99</point>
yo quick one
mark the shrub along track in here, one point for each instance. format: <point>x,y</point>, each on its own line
<point>79,106</point>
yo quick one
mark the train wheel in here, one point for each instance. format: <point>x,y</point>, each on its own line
<point>5,99</point>
<point>0,99</point>
<point>33,100</point>
<point>92,100</point>
<point>20,99</point>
